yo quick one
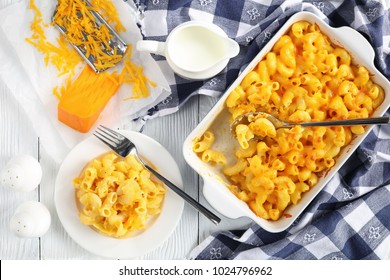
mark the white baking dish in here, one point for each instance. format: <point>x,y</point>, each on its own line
<point>215,190</point>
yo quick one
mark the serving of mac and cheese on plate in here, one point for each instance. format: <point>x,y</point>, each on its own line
<point>307,72</point>
<point>112,206</point>
<point>118,196</point>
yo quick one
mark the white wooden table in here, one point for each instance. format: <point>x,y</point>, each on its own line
<point>18,137</point>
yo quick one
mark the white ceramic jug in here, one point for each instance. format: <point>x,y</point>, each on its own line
<point>195,50</point>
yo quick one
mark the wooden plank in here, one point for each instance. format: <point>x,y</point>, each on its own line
<point>16,137</point>
<point>171,132</point>
<point>205,226</point>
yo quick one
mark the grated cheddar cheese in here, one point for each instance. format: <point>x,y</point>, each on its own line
<point>131,74</point>
<point>108,11</point>
<point>81,30</point>
<point>63,57</point>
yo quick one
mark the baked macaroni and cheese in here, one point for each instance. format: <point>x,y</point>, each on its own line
<point>117,195</point>
<point>304,78</point>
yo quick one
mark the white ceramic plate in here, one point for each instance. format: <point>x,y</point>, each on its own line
<point>153,236</point>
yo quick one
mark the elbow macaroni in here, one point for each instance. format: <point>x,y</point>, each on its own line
<point>202,146</point>
<point>303,78</point>
<point>117,196</point>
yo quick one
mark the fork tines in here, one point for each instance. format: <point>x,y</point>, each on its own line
<point>111,132</point>
<point>108,136</point>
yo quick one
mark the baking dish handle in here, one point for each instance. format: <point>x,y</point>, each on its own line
<point>227,205</point>
<point>359,44</point>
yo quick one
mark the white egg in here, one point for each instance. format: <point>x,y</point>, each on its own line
<point>31,219</point>
<point>22,173</point>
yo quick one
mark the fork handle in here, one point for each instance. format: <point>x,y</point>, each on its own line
<point>378,120</point>
<point>211,216</point>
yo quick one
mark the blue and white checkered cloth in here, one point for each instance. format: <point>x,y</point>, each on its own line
<point>350,218</point>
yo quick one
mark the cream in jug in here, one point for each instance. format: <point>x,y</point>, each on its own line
<point>194,50</point>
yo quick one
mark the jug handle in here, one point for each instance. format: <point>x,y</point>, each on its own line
<point>151,46</point>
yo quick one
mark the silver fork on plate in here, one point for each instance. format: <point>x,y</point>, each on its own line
<point>123,147</point>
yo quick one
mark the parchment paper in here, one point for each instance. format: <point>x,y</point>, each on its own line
<point>23,70</point>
